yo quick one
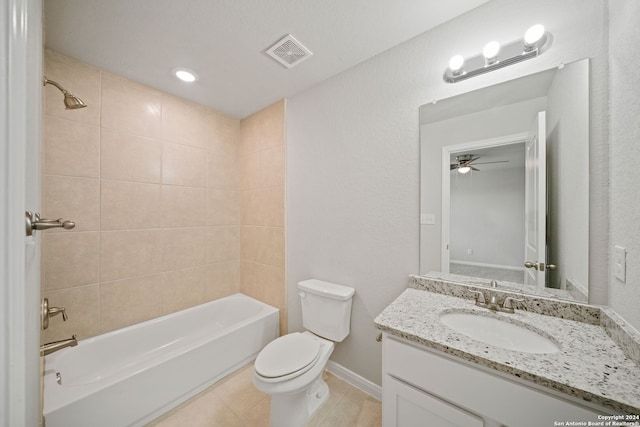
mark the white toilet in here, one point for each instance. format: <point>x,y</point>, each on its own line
<point>290,368</point>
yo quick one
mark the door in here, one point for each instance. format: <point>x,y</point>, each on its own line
<point>20,123</point>
<point>407,406</point>
<point>536,203</point>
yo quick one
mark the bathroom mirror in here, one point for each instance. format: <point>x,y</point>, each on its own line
<point>504,181</point>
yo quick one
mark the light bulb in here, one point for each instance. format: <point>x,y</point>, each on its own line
<point>456,62</point>
<point>464,169</point>
<point>491,50</point>
<point>534,34</point>
<point>185,74</point>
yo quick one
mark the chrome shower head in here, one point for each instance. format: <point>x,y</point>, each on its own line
<point>71,102</point>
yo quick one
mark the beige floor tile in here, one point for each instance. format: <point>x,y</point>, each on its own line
<point>235,399</point>
<point>370,414</point>
<point>206,411</point>
<point>240,393</point>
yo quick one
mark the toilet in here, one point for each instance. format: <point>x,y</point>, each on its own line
<point>290,368</point>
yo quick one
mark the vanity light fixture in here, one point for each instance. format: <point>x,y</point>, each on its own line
<point>536,41</point>
<point>185,74</point>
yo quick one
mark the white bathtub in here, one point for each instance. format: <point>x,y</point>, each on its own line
<point>130,376</point>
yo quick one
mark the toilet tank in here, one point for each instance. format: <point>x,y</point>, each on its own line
<point>326,308</point>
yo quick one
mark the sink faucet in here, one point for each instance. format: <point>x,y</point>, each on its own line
<point>507,304</point>
<point>54,346</point>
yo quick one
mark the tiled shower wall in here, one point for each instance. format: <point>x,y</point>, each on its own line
<point>262,169</point>
<point>153,183</point>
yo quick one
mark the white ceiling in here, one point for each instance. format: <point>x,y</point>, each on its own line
<point>224,41</point>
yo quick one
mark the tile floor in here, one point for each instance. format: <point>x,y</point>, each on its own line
<point>235,402</point>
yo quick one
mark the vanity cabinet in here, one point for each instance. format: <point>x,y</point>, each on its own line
<point>423,387</point>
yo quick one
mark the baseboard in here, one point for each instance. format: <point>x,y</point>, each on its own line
<point>372,389</point>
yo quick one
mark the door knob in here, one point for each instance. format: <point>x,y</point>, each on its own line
<point>530,264</point>
<point>539,265</point>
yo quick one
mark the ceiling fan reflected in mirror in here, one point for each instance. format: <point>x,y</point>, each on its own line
<point>466,163</point>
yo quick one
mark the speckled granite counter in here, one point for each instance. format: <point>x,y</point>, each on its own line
<point>589,365</point>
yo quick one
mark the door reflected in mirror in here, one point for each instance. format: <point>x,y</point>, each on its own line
<point>506,169</point>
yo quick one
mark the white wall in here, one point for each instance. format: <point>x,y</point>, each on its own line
<point>487,216</point>
<point>624,57</point>
<point>567,106</point>
<point>487,124</point>
<point>353,166</point>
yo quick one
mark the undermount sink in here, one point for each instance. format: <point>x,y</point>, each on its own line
<point>499,333</point>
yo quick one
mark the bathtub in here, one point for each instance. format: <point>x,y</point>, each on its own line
<point>133,375</point>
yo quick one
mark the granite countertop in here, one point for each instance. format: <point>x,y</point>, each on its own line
<point>589,365</point>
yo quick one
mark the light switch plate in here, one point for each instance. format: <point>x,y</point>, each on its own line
<point>620,263</point>
<point>427,219</point>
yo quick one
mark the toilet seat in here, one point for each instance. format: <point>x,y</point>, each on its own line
<point>287,357</point>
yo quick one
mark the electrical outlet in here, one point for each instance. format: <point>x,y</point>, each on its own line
<point>620,263</point>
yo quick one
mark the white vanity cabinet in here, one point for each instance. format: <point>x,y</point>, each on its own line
<point>422,387</point>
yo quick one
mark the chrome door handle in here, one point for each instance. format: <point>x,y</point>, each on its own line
<point>539,265</point>
<point>34,222</point>
<point>530,264</point>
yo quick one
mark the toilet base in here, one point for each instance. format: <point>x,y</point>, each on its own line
<point>295,409</point>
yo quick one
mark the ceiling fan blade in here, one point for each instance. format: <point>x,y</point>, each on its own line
<point>474,169</point>
<point>488,163</point>
<point>453,166</point>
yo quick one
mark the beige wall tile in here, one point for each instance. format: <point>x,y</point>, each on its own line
<point>127,157</point>
<point>130,107</point>
<point>82,305</point>
<point>250,280</point>
<point>184,288</point>
<point>223,243</point>
<point>71,198</point>
<point>129,301</point>
<point>125,254</point>
<point>79,79</point>
<point>272,167</point>
<point>262,207</point>
<point>183,247</point>
<point>263,245</point>
<point>71,148</point>
<point>183,165</point>
<point>264,129</point>
<point>263,283</point>
<point>130,205</point>
<point>274,286</point>
<point>223,207</point>
<point>222,170</point>
<point>223,132</point>
<point>183,206</point>
<point>223,278</point>
<point>250,171</point>
<point>184,122</point>
<point>70,259</point>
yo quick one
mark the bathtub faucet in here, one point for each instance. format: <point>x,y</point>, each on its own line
<point>54,346</point>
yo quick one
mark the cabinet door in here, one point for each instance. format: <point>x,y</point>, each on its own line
<point>406,406</point>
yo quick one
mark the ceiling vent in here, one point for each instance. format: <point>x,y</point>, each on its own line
<point>289,51</point>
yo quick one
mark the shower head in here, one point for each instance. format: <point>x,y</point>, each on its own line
<point>71,102</point>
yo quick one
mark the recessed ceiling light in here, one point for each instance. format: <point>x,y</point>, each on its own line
<point>185,74</point>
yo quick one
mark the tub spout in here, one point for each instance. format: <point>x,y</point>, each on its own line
<point>54,346</point>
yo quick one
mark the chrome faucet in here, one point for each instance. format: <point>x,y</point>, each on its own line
<point>507,304</point>
<point>54,346</point>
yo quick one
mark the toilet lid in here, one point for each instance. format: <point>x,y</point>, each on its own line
<point>286,355</point>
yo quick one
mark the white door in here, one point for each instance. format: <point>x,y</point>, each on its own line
<point>406,406</point>
<point>536,203</point>
<point>20,124</point>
